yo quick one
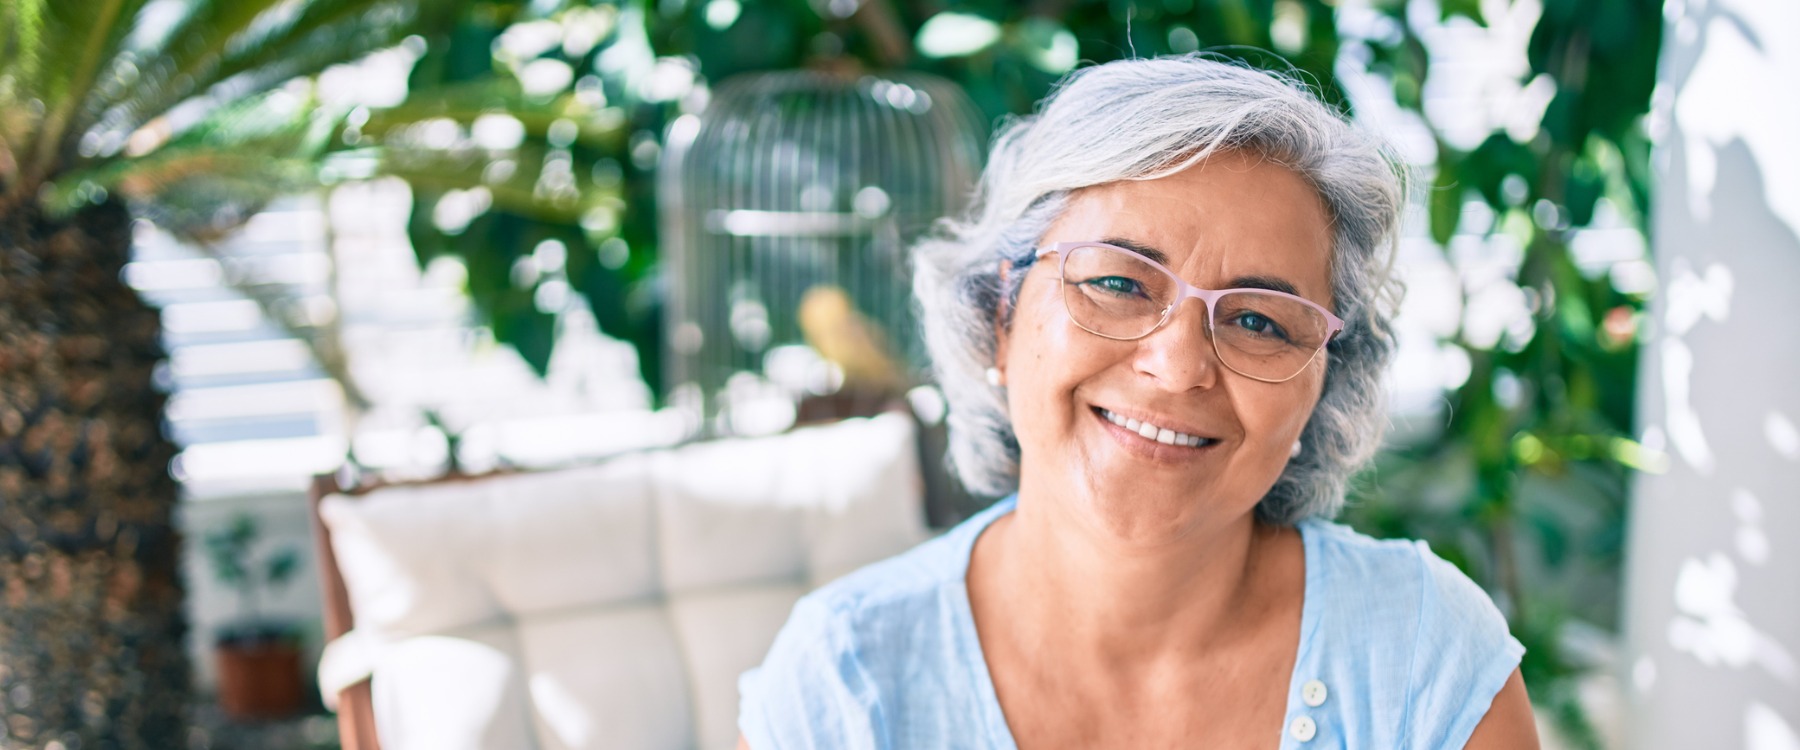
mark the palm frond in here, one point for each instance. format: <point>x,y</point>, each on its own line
<point>173,60</point>
<point>467,101</point>
<point>93,29</point>
<point>375,23</point>
<point>255,44</point>
<point>203,196</point>
<point>230,49</point>
<point>521,193</point>
<point>217,173</point>
<point>20,50</point>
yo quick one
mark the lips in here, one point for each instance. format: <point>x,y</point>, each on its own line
<point>1155,432</point>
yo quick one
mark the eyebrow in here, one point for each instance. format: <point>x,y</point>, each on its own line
<point>1139,248</point>
<point>1271,283</point>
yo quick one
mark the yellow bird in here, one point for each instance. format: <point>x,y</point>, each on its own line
<point>845,337</point>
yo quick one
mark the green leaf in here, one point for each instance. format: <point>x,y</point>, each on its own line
<point>466,101</point>
<point>1553,538</point>
<point>1613,26</point>
<point>261,43</point>
<point>529,331</point>
<point>281,567</point>
<point>765,36</point>
<point>1046,43</point>
<point>23,51</point>
<point>441,172</point>
<point>1487,167</point>
<point>216,173</point>
<point>1582,190</point>
<point>1446,198</point>
<point>94,29</point>
<point>1470,9</point>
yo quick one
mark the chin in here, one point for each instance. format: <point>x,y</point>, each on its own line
<point>1149,513</point>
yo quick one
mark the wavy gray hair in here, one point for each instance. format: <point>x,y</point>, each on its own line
<point>1139,120</point>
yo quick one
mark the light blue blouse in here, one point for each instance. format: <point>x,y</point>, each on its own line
<point>1398,650</point>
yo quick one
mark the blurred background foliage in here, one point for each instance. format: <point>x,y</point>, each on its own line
<point>530,132</point>
<point>587,90</point>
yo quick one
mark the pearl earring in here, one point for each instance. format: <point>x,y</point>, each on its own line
<point>1295,451</point>
<point>994,378</point>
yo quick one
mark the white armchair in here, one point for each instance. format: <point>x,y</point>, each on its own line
<point>610,606</point>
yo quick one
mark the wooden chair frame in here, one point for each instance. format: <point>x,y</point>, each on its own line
<point>355,704</point>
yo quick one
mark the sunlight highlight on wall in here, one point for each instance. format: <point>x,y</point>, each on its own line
<point>1742,63</point>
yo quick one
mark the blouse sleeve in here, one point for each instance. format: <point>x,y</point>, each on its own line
<point>1465,655</point>
<point>810,691</point>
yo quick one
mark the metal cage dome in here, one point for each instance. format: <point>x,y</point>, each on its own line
<point>792,181</point>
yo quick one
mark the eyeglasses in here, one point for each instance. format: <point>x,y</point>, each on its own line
<point>1259,333</point>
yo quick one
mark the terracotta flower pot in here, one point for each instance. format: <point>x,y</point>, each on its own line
<point>259,678</point>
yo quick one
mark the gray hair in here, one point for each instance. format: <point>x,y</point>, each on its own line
<point>1140,120</point>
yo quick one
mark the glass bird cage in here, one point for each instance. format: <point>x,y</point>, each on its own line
<point>788,206</point>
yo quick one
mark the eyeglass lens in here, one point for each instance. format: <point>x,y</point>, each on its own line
<point>1260,334</point>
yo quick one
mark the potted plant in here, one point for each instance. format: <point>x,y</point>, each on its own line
<point>258,656</point>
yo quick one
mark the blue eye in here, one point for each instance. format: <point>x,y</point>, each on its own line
<point>1118,285</point>
<point>1259,325</point>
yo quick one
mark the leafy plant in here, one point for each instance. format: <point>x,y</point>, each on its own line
<point>253,574</point>
<point>1526,485</point>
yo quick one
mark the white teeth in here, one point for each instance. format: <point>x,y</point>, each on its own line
<point>1152,432</point>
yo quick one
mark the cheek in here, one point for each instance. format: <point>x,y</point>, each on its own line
<point>1030,362</point>
<point>1295,420</point>
<point>1038,340</point>
<point>1298,419</point>
<point>1280,416</point>
<point>1047,359</point>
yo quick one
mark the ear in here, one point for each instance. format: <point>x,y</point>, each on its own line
<point>1002,309</point>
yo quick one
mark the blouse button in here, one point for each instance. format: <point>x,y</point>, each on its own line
<point>1313,692</point>
<point>1303,729</point>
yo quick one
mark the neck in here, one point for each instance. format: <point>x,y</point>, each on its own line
<point>1125,595</point>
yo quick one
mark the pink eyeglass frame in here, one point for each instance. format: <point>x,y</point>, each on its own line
<point>1183,290</point>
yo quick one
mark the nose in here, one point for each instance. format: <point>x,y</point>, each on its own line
<point>1179,355</point>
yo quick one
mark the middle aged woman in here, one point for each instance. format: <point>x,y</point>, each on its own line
<point>1162,326</point>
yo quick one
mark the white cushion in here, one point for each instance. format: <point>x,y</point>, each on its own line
<point>573,538</point>
<point>724,633</point>
<point>608,679</point>
<point>411,558</point>
<point>462,692</point>
<point>723,517</point>
<point>806,506</point>
<point>613,605</point>
<point>873,503</point>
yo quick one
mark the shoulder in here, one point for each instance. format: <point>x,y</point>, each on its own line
<point>1430,636</point>
<point>1352,557</point>
<point>884,594</point>
<point>1403,576</point>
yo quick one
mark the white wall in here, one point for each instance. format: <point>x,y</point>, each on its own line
<point>1713,600</point>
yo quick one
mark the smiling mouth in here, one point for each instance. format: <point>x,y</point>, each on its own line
<point>1154,433</point>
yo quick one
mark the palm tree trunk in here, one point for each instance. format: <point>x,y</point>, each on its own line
<point>91,624</point>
